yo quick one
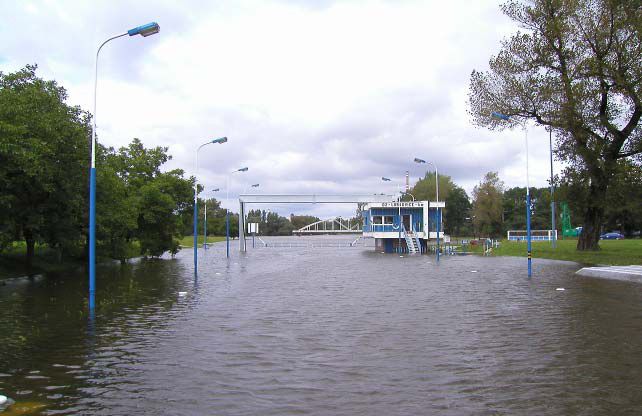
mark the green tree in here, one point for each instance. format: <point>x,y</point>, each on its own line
<point>116,209</point>
<point>624,209</point>
<point>457,202</point>
<point>514,209</point>
<point>137,201</point>
<point>456,211</point>
<point>487,206</point>
<point>577,68</point>
<point>43,163</point>
<point>162,201</point>
<point>300,221</point>
<point>425,189</point>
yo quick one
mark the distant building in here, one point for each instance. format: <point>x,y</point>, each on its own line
<point>402,227</point>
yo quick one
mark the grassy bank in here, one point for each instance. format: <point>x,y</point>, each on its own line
<point>188,240</point>
<point>613,252</point>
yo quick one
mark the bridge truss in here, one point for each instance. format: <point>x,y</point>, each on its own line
<point>330,226</point>
<point>245,200</point>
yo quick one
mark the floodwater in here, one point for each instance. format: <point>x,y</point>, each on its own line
<point>323,331</point>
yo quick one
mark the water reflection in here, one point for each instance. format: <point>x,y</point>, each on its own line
<point>324,330</point>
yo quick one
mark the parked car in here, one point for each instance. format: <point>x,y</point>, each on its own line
<point>612,236</point>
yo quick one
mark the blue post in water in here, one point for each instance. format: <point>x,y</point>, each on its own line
<point>528,195</point>
<point>227,231</point>
<point>92,239</point>
<point>528,229</point>
<point>205,227</point>
<point>195,236</point>
<point>438,223</point>
<point>399,242</point>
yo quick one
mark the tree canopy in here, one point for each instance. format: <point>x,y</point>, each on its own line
<point>457,202</point>
<point>487,206</point>
<point>44,164</point>
<point>575,67</point>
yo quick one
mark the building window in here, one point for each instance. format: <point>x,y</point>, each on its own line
<point>377,219</point>
<point>388,220</point>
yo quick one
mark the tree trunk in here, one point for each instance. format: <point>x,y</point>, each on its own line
<point>31,245</point>
<point>589,238</point>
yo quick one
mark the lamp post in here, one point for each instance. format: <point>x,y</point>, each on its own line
<point>383,178</point>
<point>227,210</point>
<point>256,185</point>
<point>220,140</point>
<point>504,117</point>
<point>144,30</point>
<point>205,222</point>
<point>417,160</point>
<point>553,229</point>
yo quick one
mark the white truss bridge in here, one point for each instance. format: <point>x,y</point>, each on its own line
<point>330,226</point>
<point>245,200</point>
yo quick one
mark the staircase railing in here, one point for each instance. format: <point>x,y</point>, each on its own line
<point>410,242</point>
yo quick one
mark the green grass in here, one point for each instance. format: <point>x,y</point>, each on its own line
<point>612,252</point>
<point>188,240</point>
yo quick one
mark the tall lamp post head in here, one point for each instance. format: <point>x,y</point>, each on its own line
<point>145,30</point>
<point>220,140</point>
<point>243,169</point>
<point>256,185</point>
<point>385,179</point>
<point>417,160</point>
<point>215,190</point>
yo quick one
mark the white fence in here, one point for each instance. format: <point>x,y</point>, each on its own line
<point>536,235</point>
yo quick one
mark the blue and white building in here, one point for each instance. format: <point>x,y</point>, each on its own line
<point>403,227</point>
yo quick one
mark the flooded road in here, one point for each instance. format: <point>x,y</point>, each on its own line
<point>324,331</point>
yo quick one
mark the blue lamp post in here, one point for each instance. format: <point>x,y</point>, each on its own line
<point>144,30</point>
<point>205,222</point>
<point>227,210</point>
<point>504,117</point>
<point>417,160</point>
<point>220,140</point>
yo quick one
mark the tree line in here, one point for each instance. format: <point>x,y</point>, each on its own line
<point>496,209</point>
<point>44,168</point>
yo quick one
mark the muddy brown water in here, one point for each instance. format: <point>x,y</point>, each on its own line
<point>324,331</point>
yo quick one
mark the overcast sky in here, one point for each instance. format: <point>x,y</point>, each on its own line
<point>315,96</point>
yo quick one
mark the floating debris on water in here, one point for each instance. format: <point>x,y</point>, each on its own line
<point>5,402</point>
<point>473,271</point>
<point>560,289</point>
<point>182,293</point>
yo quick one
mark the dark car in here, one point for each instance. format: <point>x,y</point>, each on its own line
<point>612,236</point>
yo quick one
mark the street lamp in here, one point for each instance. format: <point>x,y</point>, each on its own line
<point>205,221</point>
<point>417,160</point>
<point>553,229</point>
<point>504,117</point>
<point>256,185</point>
<point>383,178</point>
<point>220,140</point>
<point>144,30</point>
<point>227,210</point>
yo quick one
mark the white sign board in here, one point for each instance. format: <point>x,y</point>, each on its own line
<point>253,227</point>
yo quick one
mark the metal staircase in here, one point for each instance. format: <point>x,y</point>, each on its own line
<point>412,241</point>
